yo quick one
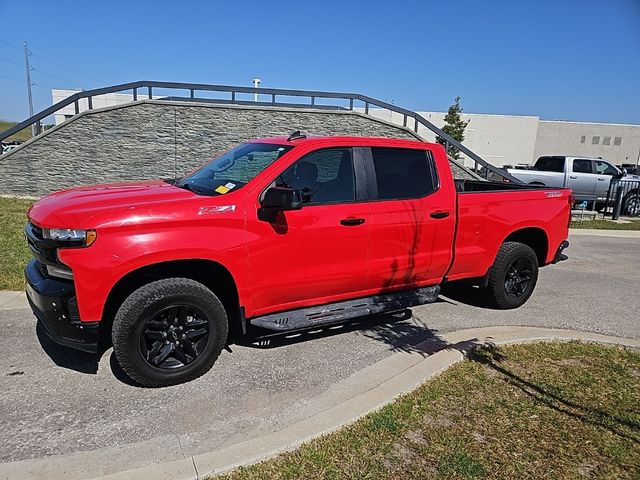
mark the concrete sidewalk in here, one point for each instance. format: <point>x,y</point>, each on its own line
<point>10,300</point>
<point>352,398</point>
<point>605,233</point>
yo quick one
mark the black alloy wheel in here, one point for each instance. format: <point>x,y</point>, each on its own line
<point>174,337</point>
<point>518,277</point>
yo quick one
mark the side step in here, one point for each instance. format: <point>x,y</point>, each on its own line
<point>341,311</point>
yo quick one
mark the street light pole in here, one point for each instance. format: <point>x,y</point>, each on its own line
<point>28,72</point>
<point>256,84</point>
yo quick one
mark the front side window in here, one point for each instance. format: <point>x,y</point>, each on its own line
<point>323,176</point>
<point>234,169</point>
<point>403,173</point>
<point>582,166</point>
<point>603,168</point>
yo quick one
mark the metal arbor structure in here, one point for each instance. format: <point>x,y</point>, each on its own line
<point>309,99</point>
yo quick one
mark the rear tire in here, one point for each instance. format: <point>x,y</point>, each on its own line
<point>169,331</point>
<point>513,276</point>
<point>631,204</point>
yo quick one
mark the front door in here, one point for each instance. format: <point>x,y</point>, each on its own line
<point>317,254</point>
<point>605,172</point>
<point>582,179</point>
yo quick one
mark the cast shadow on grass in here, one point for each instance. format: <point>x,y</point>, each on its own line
<point>490,356</point>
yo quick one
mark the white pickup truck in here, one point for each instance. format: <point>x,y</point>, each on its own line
<point>589,178</point>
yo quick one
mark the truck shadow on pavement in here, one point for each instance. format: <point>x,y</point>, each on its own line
<point>465,293</point>
<point>400,331</point>
<point>67,357</point>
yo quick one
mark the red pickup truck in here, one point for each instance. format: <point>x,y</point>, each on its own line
<point>278,234</point>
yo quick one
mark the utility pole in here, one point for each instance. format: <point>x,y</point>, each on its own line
<point>34,127</point>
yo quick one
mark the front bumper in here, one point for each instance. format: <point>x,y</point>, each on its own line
<point>53,302</point>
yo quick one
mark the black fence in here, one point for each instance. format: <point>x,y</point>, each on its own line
<point>623,198</point>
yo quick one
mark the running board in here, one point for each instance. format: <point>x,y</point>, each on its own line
<point>341,311</point>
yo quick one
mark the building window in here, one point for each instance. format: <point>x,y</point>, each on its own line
<point>606,140</point>
<point>595,140</point>
<point>617,141</point>
<point>583,139</point>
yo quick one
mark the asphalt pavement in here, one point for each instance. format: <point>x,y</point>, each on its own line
<point>58,401</point>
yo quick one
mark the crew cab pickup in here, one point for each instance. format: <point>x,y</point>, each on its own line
<point>588,178</point>
<point>277,235</point>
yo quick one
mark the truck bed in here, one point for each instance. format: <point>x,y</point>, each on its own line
<point>488,212</point>
<point>463,186</point>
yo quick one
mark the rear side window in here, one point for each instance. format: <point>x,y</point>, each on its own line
<point>582,166</point>
<point>403,173</point>
<point>550,164</point>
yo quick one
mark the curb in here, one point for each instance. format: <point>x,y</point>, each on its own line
<point>352,398</point>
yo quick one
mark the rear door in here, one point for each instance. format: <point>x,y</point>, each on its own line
<point>412,219</point>
<point>582,178</point>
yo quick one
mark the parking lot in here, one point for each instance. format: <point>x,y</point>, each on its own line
<point>57,401</point>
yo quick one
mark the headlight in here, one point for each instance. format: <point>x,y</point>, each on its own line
<point>72,236</point>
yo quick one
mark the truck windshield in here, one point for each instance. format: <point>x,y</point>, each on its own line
<point>234,169</point>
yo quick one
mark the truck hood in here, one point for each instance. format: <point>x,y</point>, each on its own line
<point>83,207</point>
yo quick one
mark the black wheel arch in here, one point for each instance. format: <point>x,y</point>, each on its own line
<point>534,237</point>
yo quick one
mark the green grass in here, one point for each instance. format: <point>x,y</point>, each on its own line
<point>544,410</point>
<point>15,253</point>
<point>607,225</point>
<point>23,135</point>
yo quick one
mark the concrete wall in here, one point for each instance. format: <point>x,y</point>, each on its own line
<point>589,139</point>
<point>141,140</point>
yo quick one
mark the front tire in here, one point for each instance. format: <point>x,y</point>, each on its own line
<point>513,276</point>
<point>169,331</point>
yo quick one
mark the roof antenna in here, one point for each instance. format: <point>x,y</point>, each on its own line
<point>296,136</point>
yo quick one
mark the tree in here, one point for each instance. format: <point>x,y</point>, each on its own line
<point>454,126</point>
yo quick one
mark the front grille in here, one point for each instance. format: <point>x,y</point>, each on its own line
<point>43,269</point>
<point>43,250</point>
<point>74,313</point>
<point>37,231</point>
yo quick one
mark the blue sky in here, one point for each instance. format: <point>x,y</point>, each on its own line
<point>559,59</point>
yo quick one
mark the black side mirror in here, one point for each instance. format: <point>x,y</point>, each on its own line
<point>279,199</point>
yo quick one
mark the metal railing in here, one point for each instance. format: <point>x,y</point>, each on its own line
<point>313,99</point>
<point>623,198</point>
